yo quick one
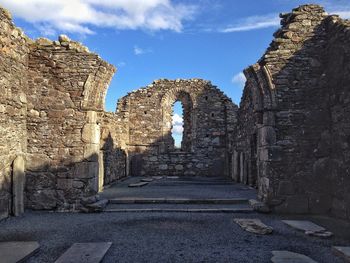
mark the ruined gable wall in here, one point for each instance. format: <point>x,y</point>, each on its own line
<point>67,87</point>
<point>295,62</point>
<point>13,104</point>
<point>334,148</point>
<point>206,110</point>
<point>293,109</point>
<point>296,99</point>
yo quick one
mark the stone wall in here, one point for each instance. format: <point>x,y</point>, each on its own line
<point>13,111</point>
<point>114,138</point>
<point>67,87</point>
<point>334,148</point>
<point>209,119</point>
<point>292,118</point>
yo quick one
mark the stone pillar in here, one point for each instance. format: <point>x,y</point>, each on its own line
<point>241,165</point>
<point>235,164</point>
<point>18,178</point>
<point>100,172</point>
<point>91,137</point>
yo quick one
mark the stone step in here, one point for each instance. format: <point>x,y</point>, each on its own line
<point>85,253</point>
<point>180,210</point>
<point>13,252</point>
<point>177,201</point>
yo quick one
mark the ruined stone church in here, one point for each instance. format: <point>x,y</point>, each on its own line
<point>289,137</point>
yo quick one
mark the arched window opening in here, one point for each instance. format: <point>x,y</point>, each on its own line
<point>177,125</point>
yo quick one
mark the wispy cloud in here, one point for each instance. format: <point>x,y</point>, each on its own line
<point>253,23</point>
<point>81,16</point>
<point>239,79</point>
<point>140,51</point>
<point>177,124</point>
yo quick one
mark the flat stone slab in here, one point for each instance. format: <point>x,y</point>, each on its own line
<point>304,225</point>
<point>309,228</point>
<point>13,252</point>
<point>343,252</point>
<point>284,256</point>
<point>253,226</point>
<point>140,184</point>
<point>173,177</point>
<point>179,210</point>
<point>157,177</point>
<point>85,253</point>
<point>148,180</point>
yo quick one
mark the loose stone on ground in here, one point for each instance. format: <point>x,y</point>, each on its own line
<point>13,252</point>
<point>147,180</point>
<point>254,226</point>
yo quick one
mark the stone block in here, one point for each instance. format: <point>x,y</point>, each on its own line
<point>266,136</point>
<point>37,162</point>
<point>91,117</point>
<point>86,170</point>
<point>91,152</point>
<point>64,183</point>
<point>91,133</point>
<point>163,167</point>
<point>179,167</point>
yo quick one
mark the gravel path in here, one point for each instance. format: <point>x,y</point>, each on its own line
<point>165,237</point>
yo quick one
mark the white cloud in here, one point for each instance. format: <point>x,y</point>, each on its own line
<point>239,79</point>
<point>79,16</point>
<point>253,23</point>
<point>177,124</point>
<point>140,51</point>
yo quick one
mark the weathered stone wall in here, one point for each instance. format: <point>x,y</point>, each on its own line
<point>67,87</point>
<point>209,118</point>
<point>294,107</point>
<point>334,148</point>
<point>114,138</point>
<point>13,111</point>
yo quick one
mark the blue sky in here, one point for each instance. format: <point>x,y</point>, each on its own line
<point>152,39</point>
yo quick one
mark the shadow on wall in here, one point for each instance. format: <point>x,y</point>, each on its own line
<point>114,161</point>
<point>66,185</point>
<point>294,108</point>
<point>155,159</point>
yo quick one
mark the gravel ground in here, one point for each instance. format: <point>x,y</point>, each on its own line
<point>167,237</point>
